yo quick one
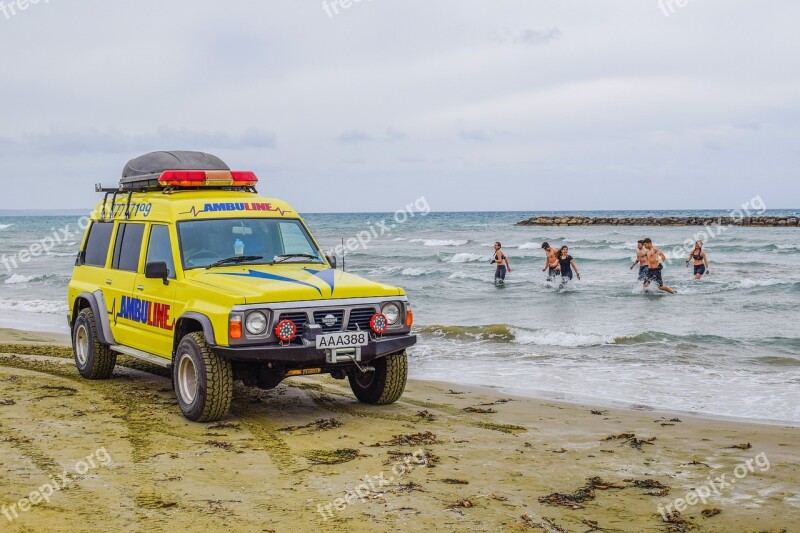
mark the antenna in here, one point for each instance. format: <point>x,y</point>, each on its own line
<point>343,254</point>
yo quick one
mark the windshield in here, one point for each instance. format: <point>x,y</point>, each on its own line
<point>205,242</point>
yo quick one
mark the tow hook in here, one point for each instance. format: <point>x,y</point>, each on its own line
<point>363,369</point>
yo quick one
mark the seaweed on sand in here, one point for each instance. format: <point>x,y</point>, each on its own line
<point>583,494</point>
<point>630,438</point>
<point>480,410</point>
<point>322,424</point>
<point>426,438</point>
<point>332,457</point>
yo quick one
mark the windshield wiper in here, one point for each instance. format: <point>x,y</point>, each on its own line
<point>286,257</point>
<point>235,260</point>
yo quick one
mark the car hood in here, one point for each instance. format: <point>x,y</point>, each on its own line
<point>287,283</point>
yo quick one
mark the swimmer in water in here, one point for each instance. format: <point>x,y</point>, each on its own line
<point>566,265</point>
<point>655,258</point>
<point>641,260</point>
<point>700,260</point>
<point>503,265</point>
<point>551,264</point>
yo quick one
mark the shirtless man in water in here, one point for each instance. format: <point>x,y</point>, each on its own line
<point>641,260</point>
<point>655,257</point>
<point>551,264</point>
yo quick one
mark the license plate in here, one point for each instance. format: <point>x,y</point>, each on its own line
<point>338,341</point>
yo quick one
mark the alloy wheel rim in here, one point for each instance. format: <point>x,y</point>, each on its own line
<point>82,345</point>
<point>187,379</point>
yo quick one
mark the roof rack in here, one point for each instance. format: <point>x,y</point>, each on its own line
<point>179,170</point>
<point>133,184</point>
<point>173,180</point>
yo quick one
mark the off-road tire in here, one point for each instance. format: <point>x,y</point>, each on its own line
<point>386,384</point>
<point>213,380</point>
<point>93,359</point>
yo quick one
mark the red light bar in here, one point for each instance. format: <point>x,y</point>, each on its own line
<point>207,178</point>
<point>243,178</point>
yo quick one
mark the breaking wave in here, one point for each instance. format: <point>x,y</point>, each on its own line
<point>440,242</point>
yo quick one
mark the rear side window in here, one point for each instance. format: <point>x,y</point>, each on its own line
<point>160,248</point>
<point>128,247</point>
<point>97,244</point>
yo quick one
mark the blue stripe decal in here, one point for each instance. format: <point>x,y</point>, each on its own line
<point>273,277</point>
<point>328,276</point>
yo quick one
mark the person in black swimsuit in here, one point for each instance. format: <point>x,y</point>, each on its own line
<point>566,264</point>
<point>700,260</point>
<point>503,265</point>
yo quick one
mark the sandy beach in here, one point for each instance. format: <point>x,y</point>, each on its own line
<point>308,456</point>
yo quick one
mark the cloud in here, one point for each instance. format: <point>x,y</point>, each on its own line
<point>393,135</point>
<point>354,137</point>
<point>358,136</point>
<point>92,141</point>
<point>430,96</point>
<point>474,135</point>
<point>530,36</point>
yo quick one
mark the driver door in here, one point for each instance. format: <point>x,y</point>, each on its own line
<point>158,294</point>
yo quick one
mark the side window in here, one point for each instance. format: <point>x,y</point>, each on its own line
<point>97,244</point>
<point>160,248</point>
<point>128,247</point>
<point>294,239</point>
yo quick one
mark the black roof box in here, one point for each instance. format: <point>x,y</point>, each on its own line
<point>158,162</point>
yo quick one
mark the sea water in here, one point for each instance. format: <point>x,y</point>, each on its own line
<point>725,346</point>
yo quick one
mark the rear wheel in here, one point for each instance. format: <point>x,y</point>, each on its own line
<point>386,384</point>
<point>203,380</point>
<point>93,359</point>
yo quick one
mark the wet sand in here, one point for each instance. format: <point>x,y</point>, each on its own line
<point>444,457</point>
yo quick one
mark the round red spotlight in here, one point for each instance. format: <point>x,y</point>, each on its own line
<point>379,324</point>
<point>286,330</point>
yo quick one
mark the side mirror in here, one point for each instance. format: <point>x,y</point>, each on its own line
<point>157,270</point>
<point>332,261</point>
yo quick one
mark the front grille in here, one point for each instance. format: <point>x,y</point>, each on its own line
<point>299,319</point>
<point>359,319</point>
<point>319,316</point>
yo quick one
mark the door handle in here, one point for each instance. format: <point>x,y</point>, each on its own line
<point>140,287</point>
<point>108,282</point>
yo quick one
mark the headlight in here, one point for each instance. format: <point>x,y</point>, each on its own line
<point>392,313</point>
<point>256,323</point>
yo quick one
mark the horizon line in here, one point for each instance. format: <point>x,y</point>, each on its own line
<point>22,212</point>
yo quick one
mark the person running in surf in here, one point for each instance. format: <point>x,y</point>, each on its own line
<point>551,264</point>
<point>655,258</point>
<point>566,264</point>
<point>700,260</point>
<point>641,260</point>
<point>503,265</point>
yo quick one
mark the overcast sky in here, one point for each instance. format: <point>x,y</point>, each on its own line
<point>476,105</point>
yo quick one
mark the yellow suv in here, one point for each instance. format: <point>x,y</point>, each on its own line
<point>184,265</point>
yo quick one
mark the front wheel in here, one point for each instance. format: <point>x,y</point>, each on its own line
<point>203,380</point>
<point>93,359</point>
<point>386,384</point>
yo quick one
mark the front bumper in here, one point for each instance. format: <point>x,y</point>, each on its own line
<point>309,355</point>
